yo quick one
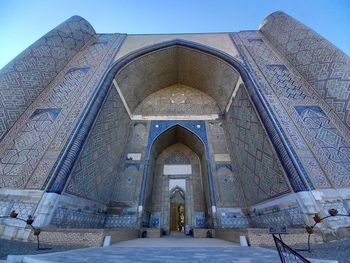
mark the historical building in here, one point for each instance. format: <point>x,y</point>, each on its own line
<point>218,130</point>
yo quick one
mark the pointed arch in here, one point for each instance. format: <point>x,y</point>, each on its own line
<point>159,133</point>
<point>295,171</point>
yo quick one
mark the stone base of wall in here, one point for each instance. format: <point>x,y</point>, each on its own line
<point>202,232</point>
<point>24,202</point>
<point>261,237</point>
<point>70,237</point>
<point>151,232</point>
<point>82,237</point>
<point>14,229</point>
<point>340,233</point>
<point>119,235</point>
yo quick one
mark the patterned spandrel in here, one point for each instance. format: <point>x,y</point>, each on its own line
<point>256,167</point>
<point>32,146</point>
<point>95,171</point>
<point>24,78</point>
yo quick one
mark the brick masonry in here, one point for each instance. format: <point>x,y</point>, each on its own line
<point>261,237</point>
<point>83,237</point>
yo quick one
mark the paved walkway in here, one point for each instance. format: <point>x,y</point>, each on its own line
<point>12,247</point>
<point>166,249</point>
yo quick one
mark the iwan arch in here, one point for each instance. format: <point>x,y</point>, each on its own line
<point>236,130</point>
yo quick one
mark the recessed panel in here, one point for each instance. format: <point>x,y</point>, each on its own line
<point>177,169</point>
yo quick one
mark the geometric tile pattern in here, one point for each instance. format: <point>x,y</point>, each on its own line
<point>24,78</point>
<point>291,216</point>
<point>175,64</point>
<point>200,221</point>
<point>33,145</point>
<point>95,170</point>
<point>177,99</point>
<point>270,110</point>
<point>77,218</point>
<point>342,209</point>
<point>155,220</point>
<point>177,158</point>
<point>256,166</point>
<point>53,112</point>
<point>233,221</point>
<point>228,188</point>
<point>121,221</point>
<point>327,137</point>
<point>322,64</point>
<point>126,181</point>
<point>218,166</point>
<point>24,209</point>
<point>285,90</point>
<point>128,165</point>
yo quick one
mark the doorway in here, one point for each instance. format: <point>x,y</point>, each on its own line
<point>177,208</point>
<point>178,187</point>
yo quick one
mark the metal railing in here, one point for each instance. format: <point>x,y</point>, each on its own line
<point>287,254</point>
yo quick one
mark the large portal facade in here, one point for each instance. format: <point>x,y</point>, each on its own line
<point>218,130</point>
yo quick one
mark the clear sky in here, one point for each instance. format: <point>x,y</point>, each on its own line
<point>22,22</point>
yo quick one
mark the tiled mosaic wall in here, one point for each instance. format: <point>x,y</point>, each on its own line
<point>128,181</point>
<point>310,126</point>
<point>24,78</point>
<point>228,188</point>
<point>24,202</point>
<point>73,212</point>
<point>302,80</point>
<point>322,64</point>
<point>256,166</point>
<point>177,99</point>
<point>343,207</point>
<point>121,221</point>
<point>30,149</point>
<point>291,216</point>
<point>77,218</point>
<point>95,171</point>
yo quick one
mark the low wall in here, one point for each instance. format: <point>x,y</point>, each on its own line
<point>121,234</point>
<point>70,237</point>
<point>151,232</point>
<point>14,229</point>
<point>202,232</point>
<point>83,237</point>
<point>261,237</point>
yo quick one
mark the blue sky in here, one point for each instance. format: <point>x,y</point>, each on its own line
<point>22,22</point>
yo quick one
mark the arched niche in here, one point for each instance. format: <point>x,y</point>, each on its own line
<point>177,147</point>
<point>177,81</point>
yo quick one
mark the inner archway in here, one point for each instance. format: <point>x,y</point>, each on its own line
<point>177,207</point>
<point>177,177</point>
<point>176,82</point>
